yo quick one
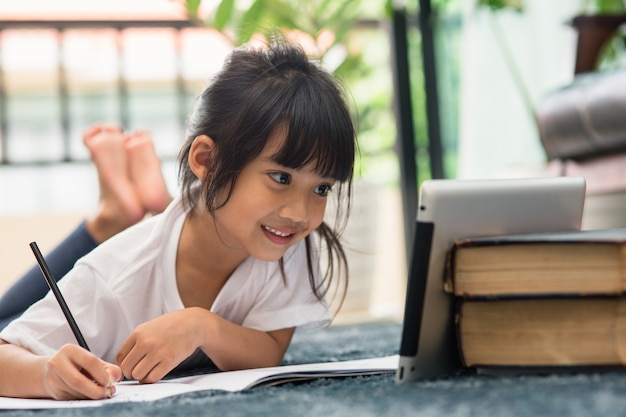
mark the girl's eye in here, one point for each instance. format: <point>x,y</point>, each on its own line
<point>280,177</point>
<point>323,190</point>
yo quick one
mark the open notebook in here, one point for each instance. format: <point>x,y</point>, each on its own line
<point>131,391</point>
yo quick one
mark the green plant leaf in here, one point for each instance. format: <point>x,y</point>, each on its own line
<point>223,14</point>
<point>609,6</point>
<point>344,13</point>
<point>288,14</point>
<point>496,5</point>
<point>192,7</point>
<point>251,22</point>
<point>343,19</point>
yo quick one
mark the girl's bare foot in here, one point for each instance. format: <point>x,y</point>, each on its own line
<point>120,206</point>
<point>144,170</point>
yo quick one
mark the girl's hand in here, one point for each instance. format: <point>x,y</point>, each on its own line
<point>74,373</point>
<point>158,346</point>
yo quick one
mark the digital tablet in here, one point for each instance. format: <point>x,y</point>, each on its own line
<point>455,209</point>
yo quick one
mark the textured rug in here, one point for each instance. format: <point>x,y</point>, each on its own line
<point>464,394</point>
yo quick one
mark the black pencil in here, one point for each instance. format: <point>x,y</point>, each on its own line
<point>47,274</point>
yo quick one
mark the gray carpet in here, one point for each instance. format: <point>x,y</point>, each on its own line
<point>464,394</point>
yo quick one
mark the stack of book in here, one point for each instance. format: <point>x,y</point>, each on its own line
<point>544,300</point>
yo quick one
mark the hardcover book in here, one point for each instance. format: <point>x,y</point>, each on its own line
<point>591,262</point>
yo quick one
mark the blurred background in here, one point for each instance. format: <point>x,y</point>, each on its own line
<point>440,89</point>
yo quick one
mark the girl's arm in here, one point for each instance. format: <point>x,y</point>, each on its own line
<point>233,347</point>
<point>158,346</point>
<point>71,373</point>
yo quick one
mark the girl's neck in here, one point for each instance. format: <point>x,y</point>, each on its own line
<point>203,261</point>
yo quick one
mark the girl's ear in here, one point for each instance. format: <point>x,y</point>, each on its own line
<point>201,155</point>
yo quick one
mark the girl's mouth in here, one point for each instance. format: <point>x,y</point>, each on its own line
<point>277,236</point>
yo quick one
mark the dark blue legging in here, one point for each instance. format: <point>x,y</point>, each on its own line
<point>31,287</point>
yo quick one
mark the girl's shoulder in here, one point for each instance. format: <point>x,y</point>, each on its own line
<point>138,246</point>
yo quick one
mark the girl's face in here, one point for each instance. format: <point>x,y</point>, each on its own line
<point>272,207</point>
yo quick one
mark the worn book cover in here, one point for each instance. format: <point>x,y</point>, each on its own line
<point>578,263</point>
<point>542,332</point>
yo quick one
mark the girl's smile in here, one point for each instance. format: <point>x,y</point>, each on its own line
<point>276,236</point>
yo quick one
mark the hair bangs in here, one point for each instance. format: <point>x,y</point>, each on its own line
<point>322,135</point>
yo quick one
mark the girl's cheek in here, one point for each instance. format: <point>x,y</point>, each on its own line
<point>318,220</point>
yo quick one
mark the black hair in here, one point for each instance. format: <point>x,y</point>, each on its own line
<point>257,92</point>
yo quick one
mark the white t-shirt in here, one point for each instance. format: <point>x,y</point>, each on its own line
<point>131,279</point>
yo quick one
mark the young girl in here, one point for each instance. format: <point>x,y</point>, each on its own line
<point>229,270</point>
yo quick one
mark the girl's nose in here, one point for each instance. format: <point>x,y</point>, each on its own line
<point>296,210</point>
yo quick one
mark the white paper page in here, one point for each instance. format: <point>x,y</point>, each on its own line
<point>239,380</point>
<point>126,392</point>
<point>233,381</point>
